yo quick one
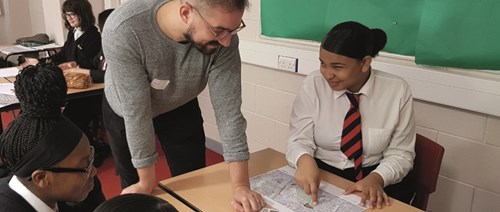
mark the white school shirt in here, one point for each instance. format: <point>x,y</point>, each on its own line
<point>27,195</point>
<point>387,121</point>
<point>77,33</point>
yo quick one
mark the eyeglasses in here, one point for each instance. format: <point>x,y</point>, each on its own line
<point>69,15</point>
<point>223,33</point>
<point>87,170</point>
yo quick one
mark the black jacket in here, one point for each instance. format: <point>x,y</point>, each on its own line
<point>97,73</point>
<point>10,200</point>
<point>82,50</point>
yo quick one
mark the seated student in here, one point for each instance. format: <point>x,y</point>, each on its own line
<point>81,50</point>
<point>83,111</point>
<point>49,158</point>
<point>135,202</point>
<point>374,146</point>
<point>98,62</point>
<point>83,41</point>
<point>82,44</point>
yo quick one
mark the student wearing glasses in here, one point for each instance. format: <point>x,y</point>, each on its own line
<point>83,42</point>
<point>49,159</point>
<point>81,52</point>
<point>160,56</point>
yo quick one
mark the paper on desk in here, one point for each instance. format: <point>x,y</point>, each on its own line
<point>9,72</point>
<point>47,46</point>
<point>280,192</point>
<point>15,49</point>
<point>7,95</point>
<point>7,88</point>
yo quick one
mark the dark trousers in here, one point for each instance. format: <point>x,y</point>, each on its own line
<point>402,191</point>
<point>82,111</point>
<point>181,136</point>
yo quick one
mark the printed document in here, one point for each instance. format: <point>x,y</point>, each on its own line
<point>280,192</point>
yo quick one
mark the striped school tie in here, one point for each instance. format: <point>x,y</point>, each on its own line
<point>351,142</point>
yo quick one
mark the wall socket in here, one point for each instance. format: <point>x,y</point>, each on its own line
<point>288,63</point>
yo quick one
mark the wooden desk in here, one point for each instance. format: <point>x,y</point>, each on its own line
<point>209,189</point>
<point>10,50</point>
<point>172,200</point>
<point>93,90</point>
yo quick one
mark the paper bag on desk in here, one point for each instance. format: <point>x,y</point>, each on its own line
<point>77,79</point>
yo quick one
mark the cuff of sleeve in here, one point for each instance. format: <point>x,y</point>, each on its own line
<point>298,156</point>
<point>294,153</point>
<point>145,162</point>
<point>384,172</point>
<point>238,156</point>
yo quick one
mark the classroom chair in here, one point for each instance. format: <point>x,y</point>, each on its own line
<point>429,155</point>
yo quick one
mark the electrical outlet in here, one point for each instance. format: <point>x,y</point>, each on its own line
<point>288,63</point>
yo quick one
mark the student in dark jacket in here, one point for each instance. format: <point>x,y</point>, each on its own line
<point>49,159</point>
<point>98,62</point>
<point>82,46</point>
<point>84,41</point>
<point>83,111</point>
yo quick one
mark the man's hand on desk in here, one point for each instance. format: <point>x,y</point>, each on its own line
<point>147,181</point>
<point>246,200</point>
<point>372,191</point>
<point>137,188</point>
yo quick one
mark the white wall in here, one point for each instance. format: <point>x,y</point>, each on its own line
<point>36,15</point>
<point>469,175</point>
<point>13,23</point>
<point>52,17</point>
<point>3,29</point>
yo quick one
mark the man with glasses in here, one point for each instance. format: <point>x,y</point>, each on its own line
<point>161,54</point>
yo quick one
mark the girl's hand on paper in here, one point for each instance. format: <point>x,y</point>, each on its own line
<point>372,191</point>
<point>307,176</point>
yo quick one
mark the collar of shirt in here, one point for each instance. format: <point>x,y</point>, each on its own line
<point>77,33</point>
<point>31,198</point>
<point>366,90</point>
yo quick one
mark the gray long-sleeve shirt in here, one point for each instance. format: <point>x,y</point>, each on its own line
<point>149,74</point>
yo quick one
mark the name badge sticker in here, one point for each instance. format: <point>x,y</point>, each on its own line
<point>159,84</point>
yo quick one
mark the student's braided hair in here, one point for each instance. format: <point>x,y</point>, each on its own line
<point>41,90</point>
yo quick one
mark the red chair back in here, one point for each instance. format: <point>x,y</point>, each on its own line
<point>429,155</point>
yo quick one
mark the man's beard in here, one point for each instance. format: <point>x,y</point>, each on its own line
<point>203,47</point>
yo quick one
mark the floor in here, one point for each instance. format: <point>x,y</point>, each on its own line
<point>110,181</point>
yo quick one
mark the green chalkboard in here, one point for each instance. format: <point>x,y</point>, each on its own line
<point>453,33</point>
